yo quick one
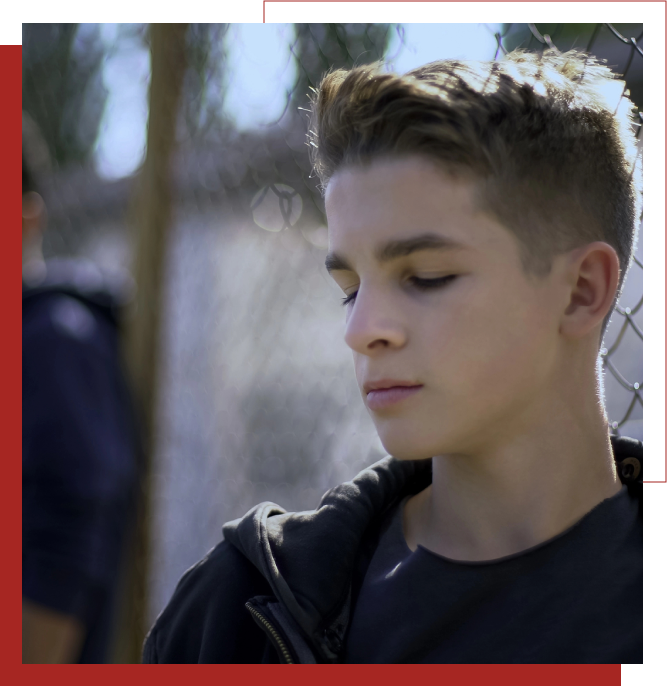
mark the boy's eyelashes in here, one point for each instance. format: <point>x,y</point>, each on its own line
<point>418,283</point>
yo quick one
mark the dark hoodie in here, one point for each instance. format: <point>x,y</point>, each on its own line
<point>80,446</point>
<point>281,587</point>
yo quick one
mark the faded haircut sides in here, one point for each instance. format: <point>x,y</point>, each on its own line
<point>549,139</point>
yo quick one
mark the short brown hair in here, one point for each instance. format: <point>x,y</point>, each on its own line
<point>549,138</point>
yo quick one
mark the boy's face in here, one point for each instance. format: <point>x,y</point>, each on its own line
<point>482,346</point>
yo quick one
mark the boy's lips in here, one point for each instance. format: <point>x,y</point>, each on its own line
<point>383,384</point>
<point>382,398</point>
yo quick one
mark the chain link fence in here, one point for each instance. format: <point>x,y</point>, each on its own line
<point>257,395</point>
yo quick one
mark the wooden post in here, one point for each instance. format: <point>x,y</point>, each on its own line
<point>150,221</point>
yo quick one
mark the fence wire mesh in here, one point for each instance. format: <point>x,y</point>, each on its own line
<point>257,396</point>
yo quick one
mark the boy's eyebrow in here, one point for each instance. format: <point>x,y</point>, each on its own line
<point>396,248</point>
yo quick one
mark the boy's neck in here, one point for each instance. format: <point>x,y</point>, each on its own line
<point>519,492</point>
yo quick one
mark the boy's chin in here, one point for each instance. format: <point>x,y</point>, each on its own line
<point>403,446</point>
<point>404,452</point>
<point>406,458</point>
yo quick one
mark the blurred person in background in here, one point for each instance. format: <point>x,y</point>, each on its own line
<point>79,451</point>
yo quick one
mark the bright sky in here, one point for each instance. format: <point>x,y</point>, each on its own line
<point>121,142</point>
<point>260,72</point>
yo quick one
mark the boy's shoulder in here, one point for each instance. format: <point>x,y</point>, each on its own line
<point>282,556</point>
<point>272,554</point>
<point>206,620</point>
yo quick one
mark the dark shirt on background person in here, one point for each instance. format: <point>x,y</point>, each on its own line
<point>79,451</point>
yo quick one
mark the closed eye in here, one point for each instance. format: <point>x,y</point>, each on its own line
<point>419,284</point>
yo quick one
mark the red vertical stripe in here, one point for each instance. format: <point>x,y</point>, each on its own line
<point>10,340</point>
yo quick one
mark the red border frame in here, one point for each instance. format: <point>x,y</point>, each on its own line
<point>10,201</point>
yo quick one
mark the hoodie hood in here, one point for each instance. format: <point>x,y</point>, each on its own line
<point>107,291</point>
<point>296,552</point>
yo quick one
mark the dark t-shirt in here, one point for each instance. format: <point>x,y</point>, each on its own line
<point>79,461</point>
<point>576,598</point>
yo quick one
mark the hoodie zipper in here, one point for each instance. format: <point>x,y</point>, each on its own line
<point>274,634</point>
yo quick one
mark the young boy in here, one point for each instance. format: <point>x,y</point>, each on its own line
<point>482,219</point>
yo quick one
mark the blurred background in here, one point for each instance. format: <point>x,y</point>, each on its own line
<point>173,158</point>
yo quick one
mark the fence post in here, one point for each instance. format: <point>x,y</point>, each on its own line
<point>150,221</point>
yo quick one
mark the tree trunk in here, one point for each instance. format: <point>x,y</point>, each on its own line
<point>150,221</point>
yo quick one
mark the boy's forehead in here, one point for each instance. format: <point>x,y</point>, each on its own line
<point>402,188</point>
<point>385,172</point>
<point>404,199</point>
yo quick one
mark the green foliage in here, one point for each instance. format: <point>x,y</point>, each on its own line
<point>320,47</point>
<point>63,90</point>
<point>203,84</point>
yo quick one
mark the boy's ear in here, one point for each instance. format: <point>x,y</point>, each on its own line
<point>33,214</point>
